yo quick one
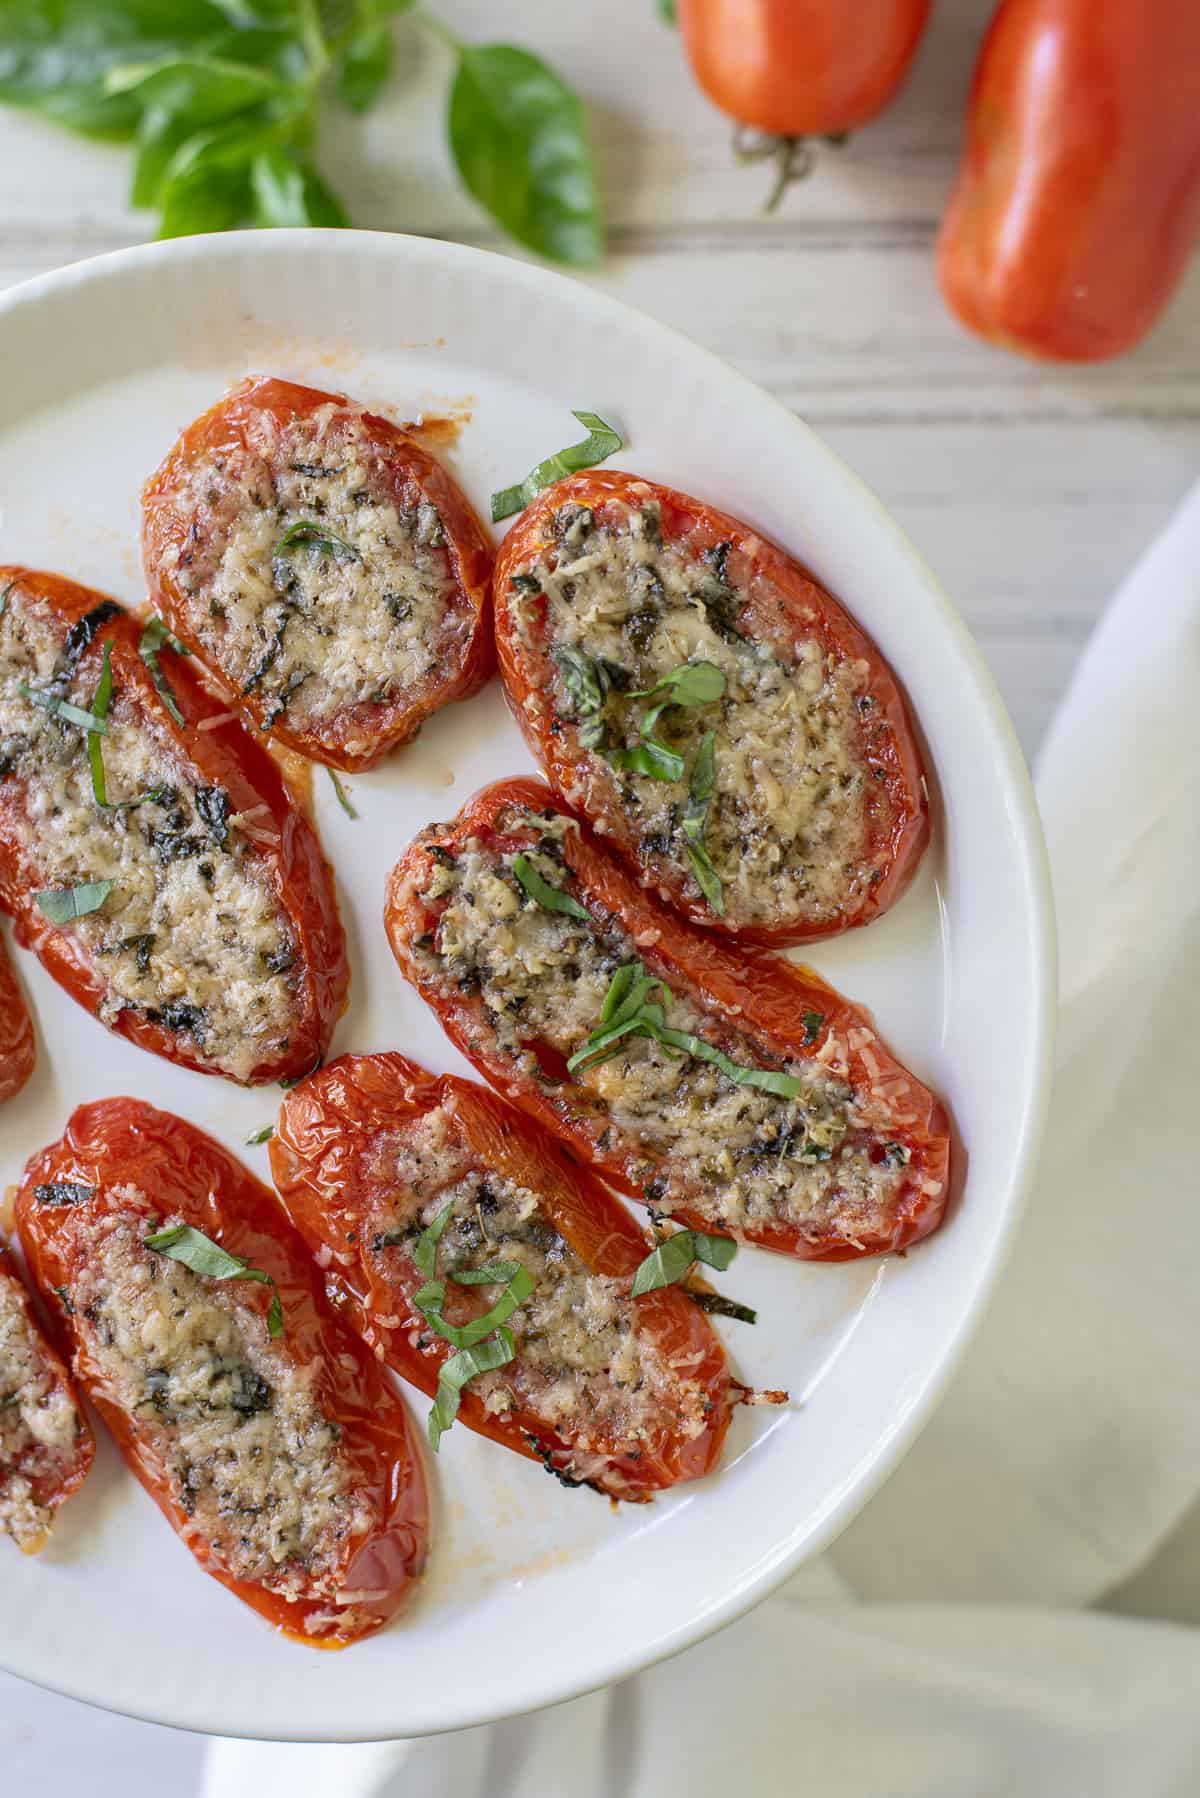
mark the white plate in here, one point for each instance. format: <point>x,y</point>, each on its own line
<point>534,1593</point>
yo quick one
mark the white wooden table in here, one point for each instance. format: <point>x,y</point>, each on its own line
<point>1029,489</point>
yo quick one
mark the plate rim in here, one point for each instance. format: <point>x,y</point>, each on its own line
<point>1037,922</point>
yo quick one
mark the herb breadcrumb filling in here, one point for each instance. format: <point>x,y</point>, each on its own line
<point>309,585</point>
<point>39,1425</point>
<point>247,1453</point>
<point>786,825</point>
<point>736,1155</point>
<point>582,1366</point>
<point>191,933</point>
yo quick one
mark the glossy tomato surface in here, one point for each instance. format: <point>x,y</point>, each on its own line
<point>50,1479</point>
<point>778,594</point>
<point>124,1153</point>
<point>217,752</point>
<point>354,736</point>
<point>796,68</point>
<point>328,1159</point>
<point>18,1050</point>
<point>754,994</point>
<point>1077,204</point>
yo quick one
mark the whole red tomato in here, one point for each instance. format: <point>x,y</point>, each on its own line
<point>1077,204</point>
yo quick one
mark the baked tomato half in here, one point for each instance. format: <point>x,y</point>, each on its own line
<point>268,1437</point>
<point>733,1092</point>
<point>329,572</point>
<point>18,1052</point>
<point>374,1156</point>
<point>710,709</point>
<point>46,1442</point>
<point>150,852</point>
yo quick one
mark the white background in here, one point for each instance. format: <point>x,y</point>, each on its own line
<point>1029,490</point>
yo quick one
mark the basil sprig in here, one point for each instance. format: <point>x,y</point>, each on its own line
<point>602,441</point>
<point>692,684</point>
<point>677,1254</point>
<point>64,904</point>
<point>307,535</point>
<point>550,898</point>
<point>156,636</point>
<point>482,1344</point>
<point>629,1009</point>
<point>221,99</point>
<point>194,1250</point>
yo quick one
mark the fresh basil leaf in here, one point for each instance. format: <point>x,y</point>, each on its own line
<point>194,1250</point>
<point>343,798</point>
<point>673,1258</point>
<point>723,1307</point>
<point>767,1080</point>
<point>666,11</point>
<point>813,1020</point>
<point>619,989</point>
<point>587,685</point>
<point>63,1192</point>
<point>263,1135</point>
<point>288,191</point>
<point>366,65</point>
<point>519,137</point>
<point>457,1371</point>
<point>308,535</point>
<point>63,904</point>
<point>204,88</point>
<point>100,702</point>
<point>700,788</point>
<point>425,1253</point>
<point>431,1298</point>
<point>691,684</point>
<point>550,898</point>
<point>490,1274</point>
<point>651,758</point>
<point>61,708</point>
<point>601,442</point>
<point>707,878</point>
<point>203,200</point>
<point>156,636</point>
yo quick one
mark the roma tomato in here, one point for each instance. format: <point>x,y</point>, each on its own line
<point>266,1434</point>
<point>330,573</point>
<point>46,1443</point>
<point>156,862</point>
<point>18,1051</point>
<point>732,1091</point>
<point>800,68</point>
<point>1077,204</point>
<point>626,1395</point>
<point>815,818</point>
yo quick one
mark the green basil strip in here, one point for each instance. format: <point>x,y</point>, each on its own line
<point>707,878</point>
<point>550,898</point>
<point>673,1258</point>
<point>62,905</point>
<point>700,788</point>
<point>691,684</point>
<point>315,536</point>
<point>425,1253</point>
<point>194,1250</point>
<point>650,758</point>
<point>62,708</point>
<point>813,1020</point>
<point>263,1135</point>
<point>431,1298</point>
<point>343,798</point>
<point>601,442</point>
<point>457,1371</point>
<point>100,703</point>
<point>767,1080</point>
<point>156,636</point>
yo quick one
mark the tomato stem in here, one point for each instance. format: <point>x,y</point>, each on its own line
<point>794,157</point>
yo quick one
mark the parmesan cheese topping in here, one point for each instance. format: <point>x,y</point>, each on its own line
<point>235,1423</point>
<point>39,1425</point>
<point>357,612</point>
<point>191,933</point>
<point>582,1364</point>
<point>734,1154</point>
<point>786,826</point>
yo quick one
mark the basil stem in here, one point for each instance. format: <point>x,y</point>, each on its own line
<point>194,1250</point>
<point>550,898</point>
<point>63,904</point>
<point>343,798</point>
<point>601,442</point>
<point>676,1255</point>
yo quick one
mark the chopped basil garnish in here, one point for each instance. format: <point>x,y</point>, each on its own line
<point>601,442</point>
<point>675,1256</point>
<point>707,878</point>
<point>343,798</point>
<point>212,804</point>
<point>308,535</point>
<point>587,684</point>
<point>63,904</point>
<point>63,1192</point>
<point>649,757</point>
<point>431,1299</point>
<point>691,684</point>
<point>62,708</point>
<point>101,700</point>
<point>813,1021</point>
<point>156,636</point>
<point>723,1307</point>
<point>629,1010</point>
<point>456,1372</point>
<point>550,898</point>
<point>4,597</point>
<point>695,817</point>
<point>263,1135</point>
<point>202,1255</point>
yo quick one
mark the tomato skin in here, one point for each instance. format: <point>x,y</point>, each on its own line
<point>227,756</point>
<point>85,1442</point>
<point>321,1162</point>
<point>1077,203</point>
<point>796,68</point>
<point>113,1143</point>
<point>760,994</point>
<point>225,428</point>
<point>897,809</point>
<point>18,1050</point>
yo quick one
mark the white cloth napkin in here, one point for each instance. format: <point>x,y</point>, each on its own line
<point>1068,1446</point>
